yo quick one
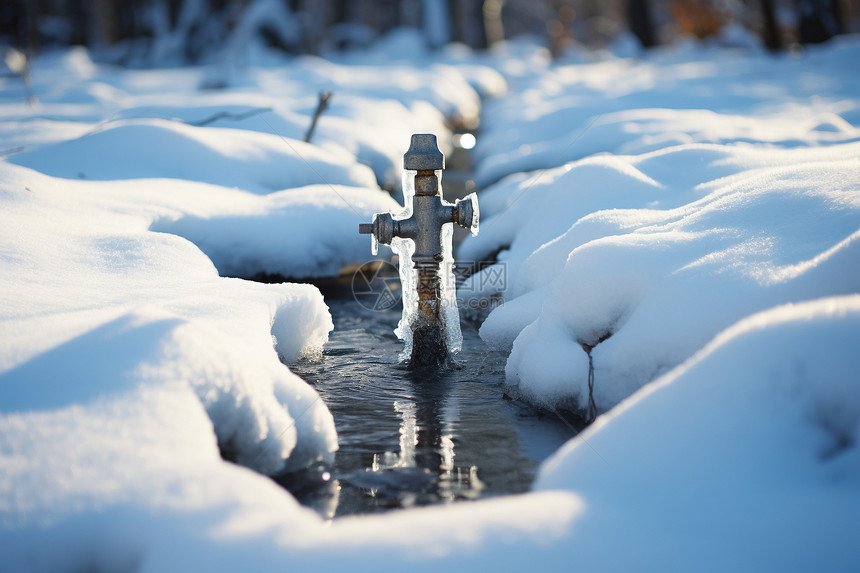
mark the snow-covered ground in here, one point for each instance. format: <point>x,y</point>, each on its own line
<point>678,222</point>
<point>695,219</point>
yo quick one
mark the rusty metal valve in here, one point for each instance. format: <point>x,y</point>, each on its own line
<point>424,227</point>
<point>382,228</point>
<point>466,213</point>
<point>430,214</point>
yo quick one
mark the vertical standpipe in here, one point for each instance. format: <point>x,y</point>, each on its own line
<point>424,227</point>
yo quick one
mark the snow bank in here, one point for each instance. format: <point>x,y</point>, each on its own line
<point>677,95</point>
<point>642,130</point>
<point>376,108</point>
<point>407,46</point>
<point>683,254</point>
<point>668,476</point>
<point>256,162</point>
<point>753,442</point>
<point>302,232</point>
<point>99,306</point>
<point>711,187</point>
<point>441,86</point>
<point>372,114</point>
<point>372,130</point>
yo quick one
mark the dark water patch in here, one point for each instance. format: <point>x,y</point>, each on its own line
<point>417,437</point>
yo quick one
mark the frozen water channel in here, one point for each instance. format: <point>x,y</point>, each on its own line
<point>416,437</point>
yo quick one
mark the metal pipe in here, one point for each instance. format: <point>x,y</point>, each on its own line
<point>424,227</point>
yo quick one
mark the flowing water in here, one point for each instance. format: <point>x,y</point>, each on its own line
<point>416,437</point>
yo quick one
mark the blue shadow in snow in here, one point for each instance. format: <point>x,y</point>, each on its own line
<point>94,364</point>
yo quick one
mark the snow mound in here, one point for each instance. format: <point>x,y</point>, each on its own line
<point>303,232</point>
<point>652,284</point>
<point>105,311</point>
<point>642,130</point>
<point>440,85</point>
<point>674,96</point>
<point>139,149</point>
<point>350,123</point>
<point>753,441</point>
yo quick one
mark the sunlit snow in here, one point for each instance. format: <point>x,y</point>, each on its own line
<point>692,217</point>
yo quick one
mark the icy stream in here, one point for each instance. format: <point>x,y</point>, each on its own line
<point>416,437</point>
<point>412,437</point>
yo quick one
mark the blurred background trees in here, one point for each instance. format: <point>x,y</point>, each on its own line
<point>163,31</point>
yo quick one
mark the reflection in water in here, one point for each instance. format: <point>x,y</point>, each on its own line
<point>416,437</point>
<point>426,456</point>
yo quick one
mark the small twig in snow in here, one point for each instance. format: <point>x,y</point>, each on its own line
<point>321,107</point>
<point>228,115</point>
